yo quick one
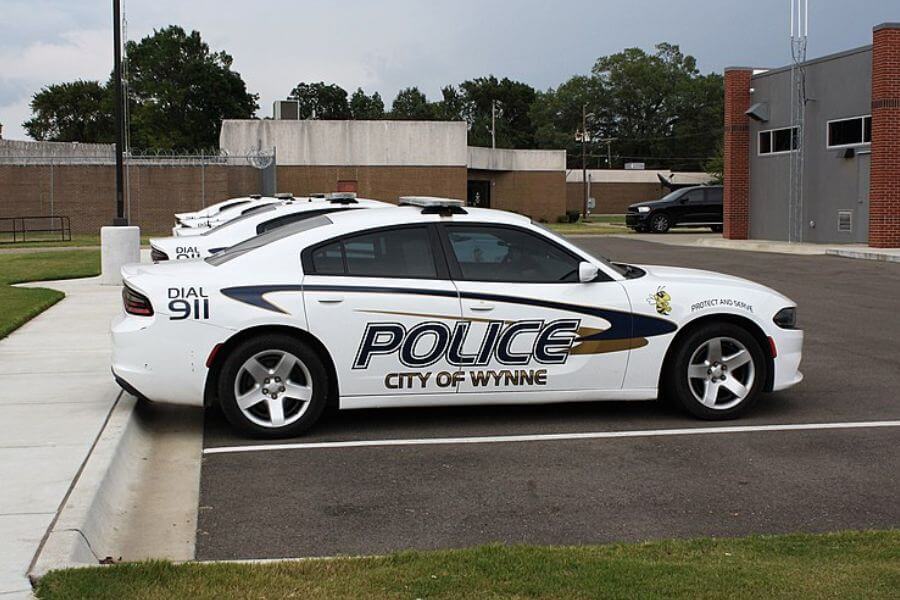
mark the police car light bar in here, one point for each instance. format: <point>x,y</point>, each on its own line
<point>342,198</point>
<point>434,205</point>
<point>285,196</point>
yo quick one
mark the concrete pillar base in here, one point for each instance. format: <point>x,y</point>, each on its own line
<point>118,246</point>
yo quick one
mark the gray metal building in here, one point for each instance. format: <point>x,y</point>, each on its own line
<point>836,150</point>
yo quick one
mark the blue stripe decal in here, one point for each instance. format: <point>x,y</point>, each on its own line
<point>623,325</point>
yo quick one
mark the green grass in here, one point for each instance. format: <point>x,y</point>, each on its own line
<point>840,565</point>
<point>78,240</point>
<point>595,225</point>
<point>19,305</point>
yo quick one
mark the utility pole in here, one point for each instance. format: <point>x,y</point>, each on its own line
<point>493,124</point>
<point>584,179</point>
<point>120,114</point>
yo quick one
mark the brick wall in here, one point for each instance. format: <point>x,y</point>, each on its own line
<point>612,198</point>
<point>736,204</point>
<point>884,182</point>
<point>378,183</point>
<point>86,193</point>
<point>540,195</point>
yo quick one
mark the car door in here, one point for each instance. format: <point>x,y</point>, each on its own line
<point>532,326</point>
<point>382,304</point>
<point>694,208</point>
<point>714,204</point>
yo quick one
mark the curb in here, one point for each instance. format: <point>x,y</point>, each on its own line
<point>86,520</point>
<point>864,255</point>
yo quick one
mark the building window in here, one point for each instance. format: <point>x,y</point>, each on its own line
<point>778,141</point>
<point>850,132</point>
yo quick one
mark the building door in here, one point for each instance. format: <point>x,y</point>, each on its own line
<point>479,194</point>
<point>861,227</point>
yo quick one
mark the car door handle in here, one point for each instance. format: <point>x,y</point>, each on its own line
<point>330,300</point>
<point>483,307</point>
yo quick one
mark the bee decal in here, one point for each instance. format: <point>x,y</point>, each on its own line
<point>661,299</point>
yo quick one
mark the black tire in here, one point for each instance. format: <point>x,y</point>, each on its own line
<point>677,385</point>
<point>660,222</point>
<point>274,343</point>
<point>716,228</point>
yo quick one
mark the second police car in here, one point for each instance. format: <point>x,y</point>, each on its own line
<point>255,222</point>
<point>435,304</point>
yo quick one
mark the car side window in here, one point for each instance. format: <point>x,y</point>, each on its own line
<point>509,254</point>
<point>694,197</point>
<point>714,195</point>
<point>400,253</point>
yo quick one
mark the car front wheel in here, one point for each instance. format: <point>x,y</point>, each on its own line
<point>273,386</point>
<point>717,372</point>
<point>660,223</point>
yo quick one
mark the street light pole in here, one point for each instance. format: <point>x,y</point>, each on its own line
<point>493,124</point>
<point>584,180</point>
<point>119,115</point>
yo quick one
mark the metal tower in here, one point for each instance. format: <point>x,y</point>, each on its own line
<point>799,31</point>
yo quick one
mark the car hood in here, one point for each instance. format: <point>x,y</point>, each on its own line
<point>699,276</point>
<point>650,203</point>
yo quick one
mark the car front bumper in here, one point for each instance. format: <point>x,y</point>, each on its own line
<point>636,220</point>
<point>789,347</point>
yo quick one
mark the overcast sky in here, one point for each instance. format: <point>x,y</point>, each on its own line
<point>389,44</point>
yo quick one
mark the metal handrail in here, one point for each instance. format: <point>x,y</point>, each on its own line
<point>20,228</point>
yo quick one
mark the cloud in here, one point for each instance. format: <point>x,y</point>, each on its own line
<point>85,54</point>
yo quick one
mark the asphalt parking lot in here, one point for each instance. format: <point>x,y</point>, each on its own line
<point>365,499</point>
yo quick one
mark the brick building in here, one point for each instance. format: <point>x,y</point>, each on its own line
<point>850,148</point>
<point>614,189</point>
<point>387,159</point>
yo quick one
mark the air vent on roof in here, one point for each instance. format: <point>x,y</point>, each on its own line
<point>845,220</point>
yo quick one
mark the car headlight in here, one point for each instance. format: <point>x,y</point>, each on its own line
<point>643,209</point>
<point>786,318</point>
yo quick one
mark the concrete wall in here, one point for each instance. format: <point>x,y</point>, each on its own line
<point>86,193</point>
<point>612,198</point>
<point>501,159</point>
<point>56,150</point>
<point>839,86</point>
<point>356,143</point>
<point>377,182</point>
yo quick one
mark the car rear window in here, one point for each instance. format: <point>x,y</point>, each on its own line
<point>267,238</point>
<point>244,217</point>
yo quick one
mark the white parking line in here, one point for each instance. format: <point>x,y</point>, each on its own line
<point>550,437</point>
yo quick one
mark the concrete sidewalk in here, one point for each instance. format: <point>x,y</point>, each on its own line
<point>56,395</point>
<point>715,240</point>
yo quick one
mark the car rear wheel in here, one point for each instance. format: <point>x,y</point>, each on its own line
<point>717,372</point>
<point>273,386</point>
<point>660,223</point>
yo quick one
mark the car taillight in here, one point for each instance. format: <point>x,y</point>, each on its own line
<point>158,255</point>
<point>135,303</point>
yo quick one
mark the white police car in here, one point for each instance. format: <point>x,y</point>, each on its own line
<point>196,225</point>
<point>436,304</point>
<point>254,223</point>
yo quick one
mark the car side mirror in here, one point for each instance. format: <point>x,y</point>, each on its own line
<point>587,272</point>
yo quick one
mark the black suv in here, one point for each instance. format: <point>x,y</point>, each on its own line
<point>687,207</point>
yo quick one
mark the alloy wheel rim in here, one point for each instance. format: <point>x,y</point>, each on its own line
<point>273,388</point>
<point>721,373</point>
<point>659,222</point>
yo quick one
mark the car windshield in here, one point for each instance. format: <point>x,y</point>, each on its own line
<point>673,195</point>
<point>267,238</point>
<point>244,217</point>
<point>620,269</point>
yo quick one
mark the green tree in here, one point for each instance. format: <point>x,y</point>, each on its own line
<point>451,106</point>
<point>365,107</point>
<point>78,111</point>
<point>411,105</point>
<point>321,101</point>
<point>660,109</point>
<point>180,91</point>
<point>513,104</point>
<point>557,117</point>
